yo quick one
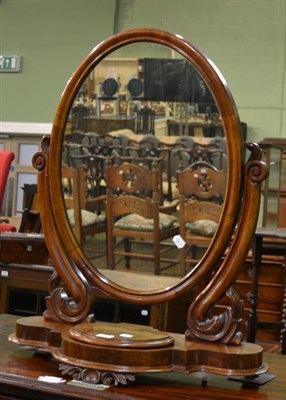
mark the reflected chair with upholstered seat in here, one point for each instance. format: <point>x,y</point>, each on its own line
<point>6,158</point>
<point>85,214</point>
<point>201,195</point>
<point>133,214</point>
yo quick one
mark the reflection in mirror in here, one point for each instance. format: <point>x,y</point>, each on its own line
<point>144,163</point>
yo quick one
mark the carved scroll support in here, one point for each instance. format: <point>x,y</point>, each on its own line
<point>96,377</point>
<point>224,327</point>
<point>70,303</point>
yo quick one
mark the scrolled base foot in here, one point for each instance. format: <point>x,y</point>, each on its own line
<point>96,377</point>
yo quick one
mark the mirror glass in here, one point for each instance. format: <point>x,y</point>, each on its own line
<point>147,106</point>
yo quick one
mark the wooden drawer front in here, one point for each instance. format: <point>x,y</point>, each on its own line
<point>23,249</point>
<point>32,273</point>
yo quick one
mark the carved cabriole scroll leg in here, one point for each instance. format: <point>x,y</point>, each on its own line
<point>224,327</point>
<point>73,304</point>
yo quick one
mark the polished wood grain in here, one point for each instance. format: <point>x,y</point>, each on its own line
<point>262,234</point>
<point>211,342</point>
<point>21,367</point>
<point>64,249</point>
<point>92,350</point>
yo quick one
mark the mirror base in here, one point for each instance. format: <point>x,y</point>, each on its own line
<point>116,353</point>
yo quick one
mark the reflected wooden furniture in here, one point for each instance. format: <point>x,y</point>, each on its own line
<point>132,212</point>
<point>260,248</point>
<point>201,194</point>
<point>199,126</point>
<point>194,128</point>
<point>21,368</point>
<point>211,343</point>
<point>107,124</point>
<point>85,214</point>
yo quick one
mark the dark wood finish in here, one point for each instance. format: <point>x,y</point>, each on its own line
<point>259,249</point>
<point>212,341</point>
<point>76,200</point>
<point>145,121</point>
<point>24,279</point>
<point>202,191</point>
<point>59,236</point>
<point>21,281</point>
<point>21,367</point>
<point>209,129</point>
<point>125,185</point>
<point>24,248</point>
<point>128,349</point>
<point>31,221</point>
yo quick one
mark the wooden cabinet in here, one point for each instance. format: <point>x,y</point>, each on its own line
<point>23,288</point>
<point>269,295</point>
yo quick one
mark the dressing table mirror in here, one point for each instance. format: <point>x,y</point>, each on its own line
<point>148,106</point>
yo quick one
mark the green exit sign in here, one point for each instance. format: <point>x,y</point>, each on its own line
<point>9,63</point>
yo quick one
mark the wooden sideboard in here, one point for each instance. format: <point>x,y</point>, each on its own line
<point>21,368</point>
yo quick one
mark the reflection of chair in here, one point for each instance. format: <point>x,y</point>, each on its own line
<point>145,121</point>
<point>94,172</point>
<point>85,214</point>
<point>202,190</point>
<point>6,158</point>
<point>79,117</point>
<point>146,148</point>
<point>71,149</point>
<point>132,212</point>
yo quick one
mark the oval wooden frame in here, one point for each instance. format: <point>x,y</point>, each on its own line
<point>71,264</point>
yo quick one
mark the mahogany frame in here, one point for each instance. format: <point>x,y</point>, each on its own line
<point>244,181</point>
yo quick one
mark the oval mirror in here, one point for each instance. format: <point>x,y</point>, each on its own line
<point>144,107</point>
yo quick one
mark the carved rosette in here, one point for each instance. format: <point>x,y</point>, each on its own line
<point>96,377</point>
<point>224,327</point>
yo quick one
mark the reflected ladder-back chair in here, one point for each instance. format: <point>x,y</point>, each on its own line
<point>133,213</point>
<point>94,173</point>
<point>6,158</point>
<point>148,148</point>
<point>201,194</point>
<point>86,215</point>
